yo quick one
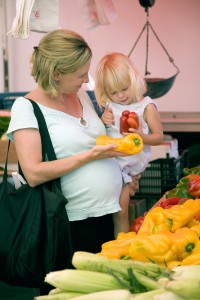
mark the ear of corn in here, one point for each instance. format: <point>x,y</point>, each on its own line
<point>84,281</point>
<point>168,296</point>
<point>55,291</point>
<point>59,296</point>
<point>150,295</point>
<point>188,289</point>
<point>147,282</point>
<point>107,295</point>
<point>186,272</point>
<point>93,262</point>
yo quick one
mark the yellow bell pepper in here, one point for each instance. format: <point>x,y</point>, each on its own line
<point>193,259</point>
<point>126,235</point>
<point>185,240</point>
<point>118,248</point>
<point>119,252</point>
<point>197,248</point>
<point>196,228</point>
<point>123,239</point>
<point>154,222</point>
<point>130,144</point>
<point>192,223</point>
<point>179,215</point>
<point>158,248</point>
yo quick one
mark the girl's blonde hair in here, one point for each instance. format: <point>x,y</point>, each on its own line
<point>116,72</point>
<point>62,50</point>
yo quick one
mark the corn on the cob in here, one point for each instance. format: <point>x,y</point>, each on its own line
<point>55,291</point>
<point>59,296</point>
<point>93,262</point>
<point>107,295</point>
<point>147,282</point>
<point>147,295</point>
<point>188,288</point>
<point>167,296</point>
<point>186,272</point>
<point>84,281</point>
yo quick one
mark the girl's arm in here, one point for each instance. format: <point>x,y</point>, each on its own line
<point>29,153</point>
<point>152,117</point>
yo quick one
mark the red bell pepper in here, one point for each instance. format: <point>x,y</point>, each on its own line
<point>170,202</point>
<point>128,120</point>
<point>194,186</point>
<point>137,224</point>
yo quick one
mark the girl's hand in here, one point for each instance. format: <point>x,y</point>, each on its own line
<point>138,131</point>
<point>134,185</point>
<point>107,116</point>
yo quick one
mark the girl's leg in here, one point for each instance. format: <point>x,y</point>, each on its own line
<point>121,218</point>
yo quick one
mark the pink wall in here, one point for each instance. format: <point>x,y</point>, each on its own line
<point>176,22</point>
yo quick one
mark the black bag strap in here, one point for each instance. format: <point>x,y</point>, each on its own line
<point>47,147</point>
<point>5,173</point>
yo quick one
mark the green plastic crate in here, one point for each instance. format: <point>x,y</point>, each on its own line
<point>160,176</point>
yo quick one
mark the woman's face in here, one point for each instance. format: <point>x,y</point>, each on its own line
<point>71,83</point>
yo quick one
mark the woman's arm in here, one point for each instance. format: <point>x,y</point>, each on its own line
<point>29,152</point>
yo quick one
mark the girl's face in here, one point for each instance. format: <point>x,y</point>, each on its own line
<point>71,83</point>
<point>122,97</point>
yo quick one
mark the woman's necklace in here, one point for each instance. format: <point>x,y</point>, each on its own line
<point>83,122</point>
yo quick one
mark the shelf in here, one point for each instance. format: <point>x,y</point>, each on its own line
<point>180,122</point>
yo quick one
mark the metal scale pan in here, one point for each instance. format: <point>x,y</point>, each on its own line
<point>156,87</point>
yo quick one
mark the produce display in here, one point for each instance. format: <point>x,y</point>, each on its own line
<point>168,237</point>
<point>98,278</point>
<point>158,259</point>
<point>131,143</point>
<point>128,120</point>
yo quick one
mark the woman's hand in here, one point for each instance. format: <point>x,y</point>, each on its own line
<point>108,151</point>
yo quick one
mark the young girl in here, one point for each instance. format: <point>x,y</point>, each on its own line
<point>119,87</point>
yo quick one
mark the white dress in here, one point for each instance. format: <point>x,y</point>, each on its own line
<point>137,163</point>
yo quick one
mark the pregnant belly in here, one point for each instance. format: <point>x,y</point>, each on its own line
<point>95,184</point>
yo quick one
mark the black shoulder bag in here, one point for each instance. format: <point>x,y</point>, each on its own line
<point>35,236</point>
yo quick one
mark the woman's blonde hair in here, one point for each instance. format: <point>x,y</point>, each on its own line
<point>62,50</point>
<point>116,72</point>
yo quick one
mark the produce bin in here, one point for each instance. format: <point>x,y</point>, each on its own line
<point>160,176</point>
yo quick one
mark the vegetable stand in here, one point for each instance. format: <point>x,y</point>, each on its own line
<point>160,176</point>
<point>160,260</point>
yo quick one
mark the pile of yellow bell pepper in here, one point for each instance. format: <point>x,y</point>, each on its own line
<point>168,237</point>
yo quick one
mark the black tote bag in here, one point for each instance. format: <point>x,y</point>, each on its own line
<point>35,236</point>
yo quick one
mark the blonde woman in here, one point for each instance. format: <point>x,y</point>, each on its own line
<point>90,176</point>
